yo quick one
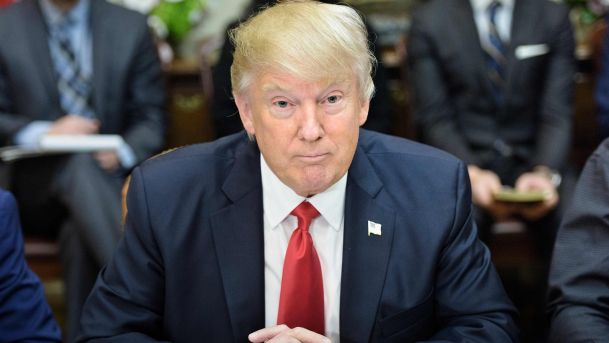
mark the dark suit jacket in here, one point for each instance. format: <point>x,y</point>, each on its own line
<point>24,314</point>
<point>452,93</point>
<point>190,267</point>
<point>579,275</point>
<point>128,99</point>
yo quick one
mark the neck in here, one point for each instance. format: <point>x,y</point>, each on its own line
<point>64,5</point>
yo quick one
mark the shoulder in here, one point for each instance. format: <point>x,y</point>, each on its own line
<point>429,11</point>
<point>198,159</point>
<point>432,18</point>
<point>554,12</point>
<point>377,145</point>
<point>402,164</point>
<point>411,165</point>
<point>13,15</point>
<point>554,6</point>
<point>599,159</point>
<point>120,17</point>
<point>432,6</point>
<point>118,11</point>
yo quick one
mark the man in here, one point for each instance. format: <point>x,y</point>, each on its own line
<point>312,231</point>
<point>579,274</point>
<point>492,84</point>
<point>77,67</point>
<point>24,313</point>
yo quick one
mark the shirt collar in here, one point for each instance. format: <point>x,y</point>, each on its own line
<point>279,199</point>
<point>482,5</point>
<point>78,14</point>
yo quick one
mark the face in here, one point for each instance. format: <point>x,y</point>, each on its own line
<point>306,131</point>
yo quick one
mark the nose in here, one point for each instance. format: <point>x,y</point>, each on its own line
<point>311,128</point>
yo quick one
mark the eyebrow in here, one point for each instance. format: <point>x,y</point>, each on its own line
<point>273,87</point>
<point>270,87</point>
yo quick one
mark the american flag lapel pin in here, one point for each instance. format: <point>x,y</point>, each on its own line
<point>374,228</point>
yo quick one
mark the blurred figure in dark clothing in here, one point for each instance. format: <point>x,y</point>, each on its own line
<point>601,92</point>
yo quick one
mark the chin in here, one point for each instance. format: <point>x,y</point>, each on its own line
<point>312,187</point>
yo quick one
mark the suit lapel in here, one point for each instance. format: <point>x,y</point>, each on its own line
<point>239,240</point>
<point>102,55</point>
<point>39,47</point>
<point>463,21</point>
<point>365,257</point>
<point>523,24</point>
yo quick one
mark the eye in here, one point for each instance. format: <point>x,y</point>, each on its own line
<point>281,103</point>
<point>333,99</point>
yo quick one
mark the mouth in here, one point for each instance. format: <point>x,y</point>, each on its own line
<point>313,158</point>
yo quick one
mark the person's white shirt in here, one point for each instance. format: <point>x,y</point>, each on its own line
<point>327,233</point>
<point>503,19</point>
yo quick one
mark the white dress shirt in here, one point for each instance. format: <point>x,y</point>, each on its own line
<point>503,19</point>
<point>327,232</point>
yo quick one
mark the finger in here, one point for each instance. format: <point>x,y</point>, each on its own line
<point>307,336</point>
<point>106,160</point>
<point>532,181</point>
<point>267,333</point>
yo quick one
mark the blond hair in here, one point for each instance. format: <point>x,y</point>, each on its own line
<point>307,39</point>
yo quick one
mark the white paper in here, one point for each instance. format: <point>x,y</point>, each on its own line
<point>80,143</point>
<point>58,144</point>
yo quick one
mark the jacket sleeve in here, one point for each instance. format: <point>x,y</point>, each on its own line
<point>556,103</point>
<point>146,98</point>
<point>10,123</point>
<point>471,304</point>
<point>126,303</point>
<point>579,274</point>
<point>25,314</point>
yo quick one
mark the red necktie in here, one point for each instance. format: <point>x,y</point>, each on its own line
<point>301,302</point>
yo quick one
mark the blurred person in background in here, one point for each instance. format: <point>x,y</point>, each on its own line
<point>601,92</point>
<point>70,67</point>
<point>492,83</point>
<point>24,314</point>
<point>579,275</point>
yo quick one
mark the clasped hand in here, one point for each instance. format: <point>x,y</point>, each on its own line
<point>486,183</point>
<point>283,333</point>
<point>72,124</point>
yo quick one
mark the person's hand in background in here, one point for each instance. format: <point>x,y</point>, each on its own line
<point>74,125</point>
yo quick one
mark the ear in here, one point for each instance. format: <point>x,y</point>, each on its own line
<point>245,113</point>
<point>363,114</point>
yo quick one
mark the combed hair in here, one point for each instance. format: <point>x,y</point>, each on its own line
<point>306,39</point>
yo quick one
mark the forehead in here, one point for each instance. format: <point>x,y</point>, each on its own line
<point>282,82</point>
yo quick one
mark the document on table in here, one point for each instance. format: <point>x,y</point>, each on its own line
<point>61,144</point>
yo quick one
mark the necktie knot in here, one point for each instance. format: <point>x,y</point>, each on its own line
<point>305,212</point>
<point>62,26</point>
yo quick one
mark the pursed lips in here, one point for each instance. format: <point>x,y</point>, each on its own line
<point>312,157</point>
